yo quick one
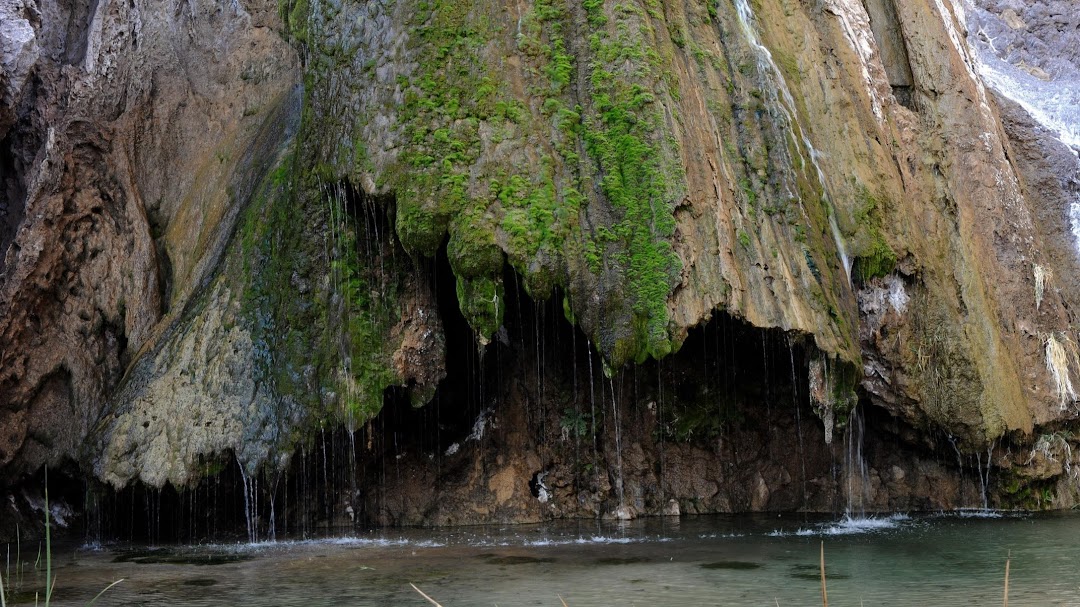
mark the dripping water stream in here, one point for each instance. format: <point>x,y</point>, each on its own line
<point>856,476</point>
<point>768,68</point>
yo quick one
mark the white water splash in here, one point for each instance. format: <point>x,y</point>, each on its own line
<point>841,247</point>
<point>848,526</point>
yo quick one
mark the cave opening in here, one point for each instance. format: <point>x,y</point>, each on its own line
<point>22,511</point>
<point>526,428</point>
<point>536,403</point>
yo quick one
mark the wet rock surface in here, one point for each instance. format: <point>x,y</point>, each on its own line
<point>203,264</point>
<point>117,122</point>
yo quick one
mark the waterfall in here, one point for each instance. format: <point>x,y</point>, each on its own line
<point>984,474</point>
<point>781,98</point>
<point>592,416</point>
<point>621,511</point>
<point>249,503</point>
<point>841,248</point>
<point>800,449</point>
<point>856,476</point>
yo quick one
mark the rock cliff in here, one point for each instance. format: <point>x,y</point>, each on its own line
<point>234,232</point>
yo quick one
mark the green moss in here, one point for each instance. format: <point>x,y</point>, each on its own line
<point>874,258</point>
<point>877,262</point>
<point>845,382</point>
<point>332,339</point>
<point>420,229</point>
<point>294,16</point>
<point>789,66</point>
<point>605,142</point>
<point>472,249</point>
<point>441,180</point>
<point>701,420</point>
<point>1024,493</point>
<point>482,302</point>
<point>744,239</point>
<point>619,134</point>
<point>568,311</point>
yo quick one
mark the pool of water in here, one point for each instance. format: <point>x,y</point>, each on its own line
<point>945,559</point>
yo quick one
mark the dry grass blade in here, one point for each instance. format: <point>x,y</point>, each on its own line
<point>430,600</point>
<point>562,601</point>
<point>824,590</point>
<point>103,591</point>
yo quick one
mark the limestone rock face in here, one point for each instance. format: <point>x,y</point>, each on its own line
<point>18,54</point>
<point>202,258</point>
<point>119,131</point>
<point>199,398</point>
<point>771,161</point>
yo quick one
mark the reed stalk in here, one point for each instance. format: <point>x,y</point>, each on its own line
<point>430,600</point>
<point>824,590</point>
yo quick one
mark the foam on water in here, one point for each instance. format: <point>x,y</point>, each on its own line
<point>976,513</point>
<point>597,540</point>
<point>847,526</point>
<point>478,540</point>
<point>870,524</point>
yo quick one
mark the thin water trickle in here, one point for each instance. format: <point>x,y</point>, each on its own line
<point>271,532</point>
<point>800,449</point>
<point>248,518</point>
<point>984,474</point>
<point>782,99</point>
<point>328,503</point>
<point>856,476</point>
<point>619,487</point>
<point>592,417</point>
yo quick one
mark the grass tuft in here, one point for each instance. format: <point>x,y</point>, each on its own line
<point>1057,363</point>
<point>50,579</point>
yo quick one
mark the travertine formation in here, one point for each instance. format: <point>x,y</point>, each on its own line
<point>224,225</point>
